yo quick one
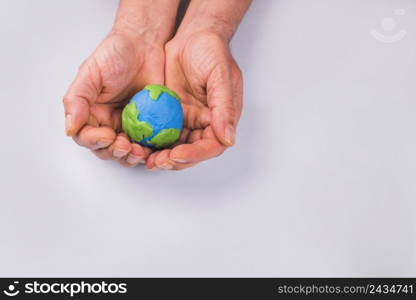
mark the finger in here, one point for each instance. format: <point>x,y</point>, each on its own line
<point>82,91</point>
<point>196,152</point>
<point>150,163</point>
<point>220,100</point>
<point>137,155</point>
<point>76,114</point>
<point>95,138</point>
<point>104,154</point>
<point>181,166</point>
<point>195,136</point>
<point>107,153</point>
<point>184,136</point>
<point>162,160</point>
<point>197,117</point>
<point>121,147</point>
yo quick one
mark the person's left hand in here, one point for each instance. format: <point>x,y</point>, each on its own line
<point>202,71</point>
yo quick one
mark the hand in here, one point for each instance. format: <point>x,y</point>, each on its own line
<point>119,67</point>
<point>202,71</point>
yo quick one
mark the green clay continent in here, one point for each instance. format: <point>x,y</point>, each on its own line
<point>155,90</point>
<point>165,138</point>
<point>135,129</point>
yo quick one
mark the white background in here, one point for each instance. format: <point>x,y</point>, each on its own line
<point>321,183</point>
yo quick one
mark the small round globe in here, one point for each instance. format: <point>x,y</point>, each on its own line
<point>153,117</point>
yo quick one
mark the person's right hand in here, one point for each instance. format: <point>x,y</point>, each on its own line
<point>118,68</point>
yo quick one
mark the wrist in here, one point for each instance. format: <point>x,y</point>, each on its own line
<point>213,25</point>
<point>139,34</point>
<point>150,22</point>
<point>207,25</point>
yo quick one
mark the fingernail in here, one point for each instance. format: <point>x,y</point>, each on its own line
<point>167,166</point>
<point>154,169</point>
<point>119,153</point>
<point>179,160</point>
<point>102,144</point>
<point>132,160</point>
<point>68,124</point>
<point>229,135</point>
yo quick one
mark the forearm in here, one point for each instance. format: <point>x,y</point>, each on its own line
<point>152,21</point>
<point>218,16</point>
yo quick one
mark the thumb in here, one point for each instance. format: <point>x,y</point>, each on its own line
<point>77,103</point>
<point>220,100</point>
<point>76,114</point>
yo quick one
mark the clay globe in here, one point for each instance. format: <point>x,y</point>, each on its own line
<point>153,117</point>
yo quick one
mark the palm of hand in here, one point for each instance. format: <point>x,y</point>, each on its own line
<point>105,83</point>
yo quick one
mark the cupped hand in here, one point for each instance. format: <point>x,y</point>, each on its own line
<point>201,69</point>
<point>118,68</point>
